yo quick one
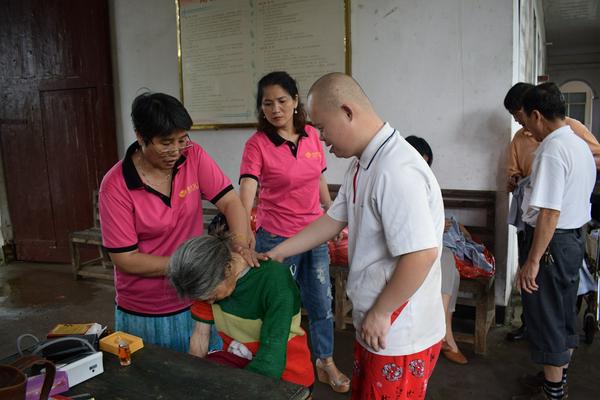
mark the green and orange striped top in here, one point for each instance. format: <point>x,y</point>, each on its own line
<point>263,313</point>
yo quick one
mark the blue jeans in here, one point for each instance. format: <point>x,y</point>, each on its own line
<point>311,271</point>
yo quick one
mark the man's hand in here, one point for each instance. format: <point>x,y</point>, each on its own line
<point>545,227</point>
<point>271,255</point>
<point>374,329</point>
<point>409,274</point>
<point>526,276</point>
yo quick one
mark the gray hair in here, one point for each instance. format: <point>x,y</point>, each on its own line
<point>199,265</point>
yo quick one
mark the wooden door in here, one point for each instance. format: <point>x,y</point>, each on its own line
<point>57,131</point>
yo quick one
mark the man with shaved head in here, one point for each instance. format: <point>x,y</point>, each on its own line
<point>393,207</point>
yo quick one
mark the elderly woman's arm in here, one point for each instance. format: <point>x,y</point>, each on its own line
<point>199,340</point>
<point>282,304</point>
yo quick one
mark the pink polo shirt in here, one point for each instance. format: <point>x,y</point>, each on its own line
<point>135,216</point>
<point>288,177</point>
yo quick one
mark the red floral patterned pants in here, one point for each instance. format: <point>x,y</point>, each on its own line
<point>377,377</point>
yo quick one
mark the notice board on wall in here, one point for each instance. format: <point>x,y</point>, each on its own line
<point>226,46</point>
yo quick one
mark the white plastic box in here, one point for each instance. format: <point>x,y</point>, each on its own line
<point>83,369</point>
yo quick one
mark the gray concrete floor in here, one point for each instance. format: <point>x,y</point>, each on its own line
<point>35,297</point>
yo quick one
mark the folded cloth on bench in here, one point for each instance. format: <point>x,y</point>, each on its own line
<point>468,250</point>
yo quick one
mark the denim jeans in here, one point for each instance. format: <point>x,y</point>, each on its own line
<point>311,271</point>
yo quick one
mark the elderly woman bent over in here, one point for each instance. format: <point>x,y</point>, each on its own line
<point>256,310</point>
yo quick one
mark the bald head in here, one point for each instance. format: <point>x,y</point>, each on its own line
<point>334,89</point>
<point>341,110</point>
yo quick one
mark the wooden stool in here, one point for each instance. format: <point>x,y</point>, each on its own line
<point>100,267</point>
<point>343,306</point>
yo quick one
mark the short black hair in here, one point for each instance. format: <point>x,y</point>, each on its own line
<point>421,146</point>
<point>547,99</point>
<point>218,225</point>
<point>513,101</point>
<point>288,84</point>
<point>158,115</point>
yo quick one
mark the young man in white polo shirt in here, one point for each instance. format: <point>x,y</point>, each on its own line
<point>556,205</point>
<point>393,207</point>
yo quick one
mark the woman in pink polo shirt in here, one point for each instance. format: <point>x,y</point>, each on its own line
<point>151,202</point>
<point>285,158</point>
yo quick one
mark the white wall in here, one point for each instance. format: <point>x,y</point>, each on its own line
<point>144,55</point>
<point>436,69</point>
<point>440,70</point>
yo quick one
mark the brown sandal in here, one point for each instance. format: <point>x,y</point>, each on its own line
<point>455,356</point>
<point>341,385</point>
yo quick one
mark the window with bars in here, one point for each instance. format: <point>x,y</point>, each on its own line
<point>576,104</point>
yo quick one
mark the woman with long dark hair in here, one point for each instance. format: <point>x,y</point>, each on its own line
<point>285,158</point>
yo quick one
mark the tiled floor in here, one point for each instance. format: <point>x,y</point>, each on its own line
<point>34,297</point>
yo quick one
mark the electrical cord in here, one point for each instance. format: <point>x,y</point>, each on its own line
<point>20,339</point>
<point>39,347</point>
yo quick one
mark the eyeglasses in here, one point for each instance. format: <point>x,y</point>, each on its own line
<point>178,147</point>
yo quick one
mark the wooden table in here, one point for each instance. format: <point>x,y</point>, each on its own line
<point>158,373</point>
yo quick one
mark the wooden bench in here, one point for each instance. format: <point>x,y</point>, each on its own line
<point>342,305</point>
<point>100,267</point>
<point>478,293</point>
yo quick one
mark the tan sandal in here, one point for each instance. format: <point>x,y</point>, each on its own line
<point>455,356</point>
<point>341,385</point>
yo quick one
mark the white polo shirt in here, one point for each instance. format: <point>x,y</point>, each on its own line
<point>563,175</point>
<point>393,206</point>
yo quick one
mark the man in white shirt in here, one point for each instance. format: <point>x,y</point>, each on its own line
<point>393,207</point>
<point>556,205</point>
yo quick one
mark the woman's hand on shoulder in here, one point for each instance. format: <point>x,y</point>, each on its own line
<point>249,255</point>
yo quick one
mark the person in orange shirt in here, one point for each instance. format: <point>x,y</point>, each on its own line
<point>522,153</point>
<point>524,145</point>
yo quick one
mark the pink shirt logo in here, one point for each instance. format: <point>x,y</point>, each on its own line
<point>313,154</point>
<point>189,189</point>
